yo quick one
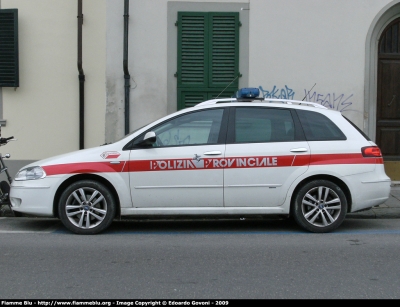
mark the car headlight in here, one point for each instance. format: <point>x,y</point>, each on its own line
<point>30,173</point>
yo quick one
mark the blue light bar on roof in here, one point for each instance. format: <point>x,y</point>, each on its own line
<point>250,92</point>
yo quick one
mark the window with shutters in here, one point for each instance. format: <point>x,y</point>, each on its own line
<point>9,70</point>
<point>208,56</point>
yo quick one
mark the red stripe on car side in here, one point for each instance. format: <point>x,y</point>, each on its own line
<point>208,163</point>
<point>83,167</point>
<point>213,163</point>
<point>343,159</point>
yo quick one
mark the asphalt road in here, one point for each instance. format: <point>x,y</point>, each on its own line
<point>247,259</point>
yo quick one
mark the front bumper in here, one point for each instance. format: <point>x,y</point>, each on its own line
<point>34,197</point>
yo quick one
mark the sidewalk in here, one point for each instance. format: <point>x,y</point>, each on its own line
<point>389,210</point>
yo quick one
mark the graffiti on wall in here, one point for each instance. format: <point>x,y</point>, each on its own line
<point>278,93</point>
<point>340,102</point>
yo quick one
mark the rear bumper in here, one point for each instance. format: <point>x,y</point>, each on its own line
<point>369,192</point>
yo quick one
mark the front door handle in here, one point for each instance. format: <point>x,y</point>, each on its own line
<point>212,153</point>
<point>301,149</point>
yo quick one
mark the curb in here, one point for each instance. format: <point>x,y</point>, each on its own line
<point>375,213</point>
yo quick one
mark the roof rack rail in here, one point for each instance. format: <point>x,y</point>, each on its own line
<point>298,102</point>
<point>266,100</point>
<point>250,94</point>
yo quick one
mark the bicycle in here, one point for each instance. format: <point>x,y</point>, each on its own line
<point>5,184</point>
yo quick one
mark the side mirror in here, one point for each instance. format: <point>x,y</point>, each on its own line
<point>150,138</point>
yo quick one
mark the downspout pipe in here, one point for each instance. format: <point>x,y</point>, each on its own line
<point>81,79</point>
<point>127,76</point>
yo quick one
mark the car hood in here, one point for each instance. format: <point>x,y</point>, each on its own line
<point>85,155</point>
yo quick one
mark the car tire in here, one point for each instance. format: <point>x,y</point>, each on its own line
<point>86,207</point>
<point>17,214</point>
<point>319,206</point>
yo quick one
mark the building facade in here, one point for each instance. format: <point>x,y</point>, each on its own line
<point>131,62</point>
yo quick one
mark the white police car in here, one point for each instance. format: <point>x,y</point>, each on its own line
<point>223,157</point>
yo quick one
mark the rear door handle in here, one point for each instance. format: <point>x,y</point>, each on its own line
<point>212,153</point>
<point>301,149</point>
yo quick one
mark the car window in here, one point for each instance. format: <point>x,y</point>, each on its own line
<point>255,125</point>
<point>358,129</point>
<point>318,127</point>
<point>194,128</point>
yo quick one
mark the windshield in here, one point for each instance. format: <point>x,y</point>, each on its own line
<point>127,135</point>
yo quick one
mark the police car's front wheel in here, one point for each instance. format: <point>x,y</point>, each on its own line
<point>86,207</point>
<point>320,206</point>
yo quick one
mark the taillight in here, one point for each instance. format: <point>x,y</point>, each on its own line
<point>371,152</point>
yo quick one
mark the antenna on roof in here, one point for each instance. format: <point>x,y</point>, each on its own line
<point>228,85</point>
<point>309,92</point>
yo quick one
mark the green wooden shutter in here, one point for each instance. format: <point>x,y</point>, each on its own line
<point>224,43</point>
<point>192,50</point>
<point>9,66</point>
<point>208,56</point>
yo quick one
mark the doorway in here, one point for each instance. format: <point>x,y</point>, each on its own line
<point>388,98</point>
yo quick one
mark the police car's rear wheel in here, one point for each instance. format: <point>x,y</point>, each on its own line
<point>86,207</point>
<point>320,206</point>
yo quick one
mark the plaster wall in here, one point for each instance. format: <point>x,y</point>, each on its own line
<point>152,59</point>
<point>312,49</point>
<point>42,113</point>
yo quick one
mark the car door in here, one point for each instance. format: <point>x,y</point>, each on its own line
<point>268,151</point>
<point>177,170</point>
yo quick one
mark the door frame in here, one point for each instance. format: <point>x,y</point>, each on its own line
<point>384,17</point>
<point>387,59</point>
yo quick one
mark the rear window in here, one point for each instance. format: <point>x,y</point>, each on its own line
<point>358,129</point>
<point>318,127</point>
